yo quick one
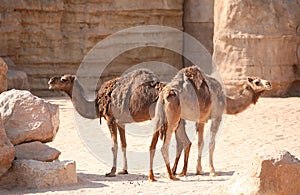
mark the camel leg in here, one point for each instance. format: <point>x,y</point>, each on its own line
<point>113,130</point>
<point>179,148</point>
<point>182,142</point>
<point>213,132</point>
<point>165,149</point>
<point>200,130</point>
<point>124,145</point>
<point>152,153</point>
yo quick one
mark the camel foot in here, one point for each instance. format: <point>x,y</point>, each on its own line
<point>112,173</point>
<point>213,174</point>
<point>123,172</point>
<point>182,174</point>
<point>200,173</point>
<point>151,176</point>
<point>173,178</point>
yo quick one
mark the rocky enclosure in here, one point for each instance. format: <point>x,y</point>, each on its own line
<point>46,38</point>
<point>26,123</point>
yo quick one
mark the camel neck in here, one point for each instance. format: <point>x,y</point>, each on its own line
<point>86,108</point>
<point>241,102</point>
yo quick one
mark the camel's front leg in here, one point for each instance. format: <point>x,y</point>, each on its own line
<point>182,142</point>
<point>124,145</point>
<point>200,130</point>
<point>152,153</point>
<point>213,132</point>
<point>113,130</point>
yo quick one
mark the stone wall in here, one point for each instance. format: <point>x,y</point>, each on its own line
<point>198,20</point>
<point>47,38</point>
<point>258,38</point>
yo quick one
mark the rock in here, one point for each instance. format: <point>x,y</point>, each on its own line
<point>36,151</point>
<point>3,80</point>
<point>277,174</point>
<point>257,38</point>
<point>37,174</point>
<point>28,118</point>
<point>16,79</point>
<point>7,151</point>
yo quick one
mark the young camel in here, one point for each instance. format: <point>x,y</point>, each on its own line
<point>194,96</point>
<point>126,99</point>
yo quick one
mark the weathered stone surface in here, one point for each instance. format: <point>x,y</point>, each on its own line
<point>37,174</point>
<point>257,38</point>
<point>16,79</point>
<point>36,151</point>
<point>278,174</point>
<point>7,151</point>
<point>46,38</point>
<point>27,117</point>
<point>3,80</point>
<point>198,19</point>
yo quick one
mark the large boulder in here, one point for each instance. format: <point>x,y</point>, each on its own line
<point>7,150</point>
<point>257,38</point>
<point>36,151</point>
<point>276,174</point>
<point>37,174</point>
<point>28,118</point>
<point>3,80</point>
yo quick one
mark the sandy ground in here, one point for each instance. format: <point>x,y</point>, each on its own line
<point>272,124</point>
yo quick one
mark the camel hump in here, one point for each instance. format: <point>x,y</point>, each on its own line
<point>124,89</point>
<point>193,73</point>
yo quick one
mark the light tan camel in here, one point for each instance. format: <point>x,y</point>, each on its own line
<point>126,99</point>
<point>192,95</point>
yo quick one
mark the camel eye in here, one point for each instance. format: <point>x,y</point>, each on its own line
<point>63,79</point>
<point>256,83</point>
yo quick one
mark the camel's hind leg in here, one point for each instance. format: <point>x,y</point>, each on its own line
<point>165,149</point>
<point>152,153</point>
<point>182,142</point>
<point>124,145</point>
<point>113,131</point>
<point>213,132</point>
<point>200,130</point>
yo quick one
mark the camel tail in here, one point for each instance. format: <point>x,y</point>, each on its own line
<point>160,118</point>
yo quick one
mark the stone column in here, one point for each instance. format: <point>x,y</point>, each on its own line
<point>198,21</point>
<point>257,38</point>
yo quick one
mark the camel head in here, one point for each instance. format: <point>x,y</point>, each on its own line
<point>258,85</point>
<point>63,83</point>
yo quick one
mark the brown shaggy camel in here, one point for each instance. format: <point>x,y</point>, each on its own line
<point>126,99</point>
<point>192,95</point>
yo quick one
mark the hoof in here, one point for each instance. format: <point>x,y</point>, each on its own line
<point>200,173</point>
<point>151,176</point>
<point>123,172</point>
<point>174,178</point>
<point>182,174</point>
<point>152,180</point>
<point>213,174</point>
<point>110,175</point>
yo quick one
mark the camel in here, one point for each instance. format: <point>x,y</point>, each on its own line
<point>122,100</point>
<point>193,95</point>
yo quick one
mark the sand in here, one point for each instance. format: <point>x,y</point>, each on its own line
<point>272,124</point>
